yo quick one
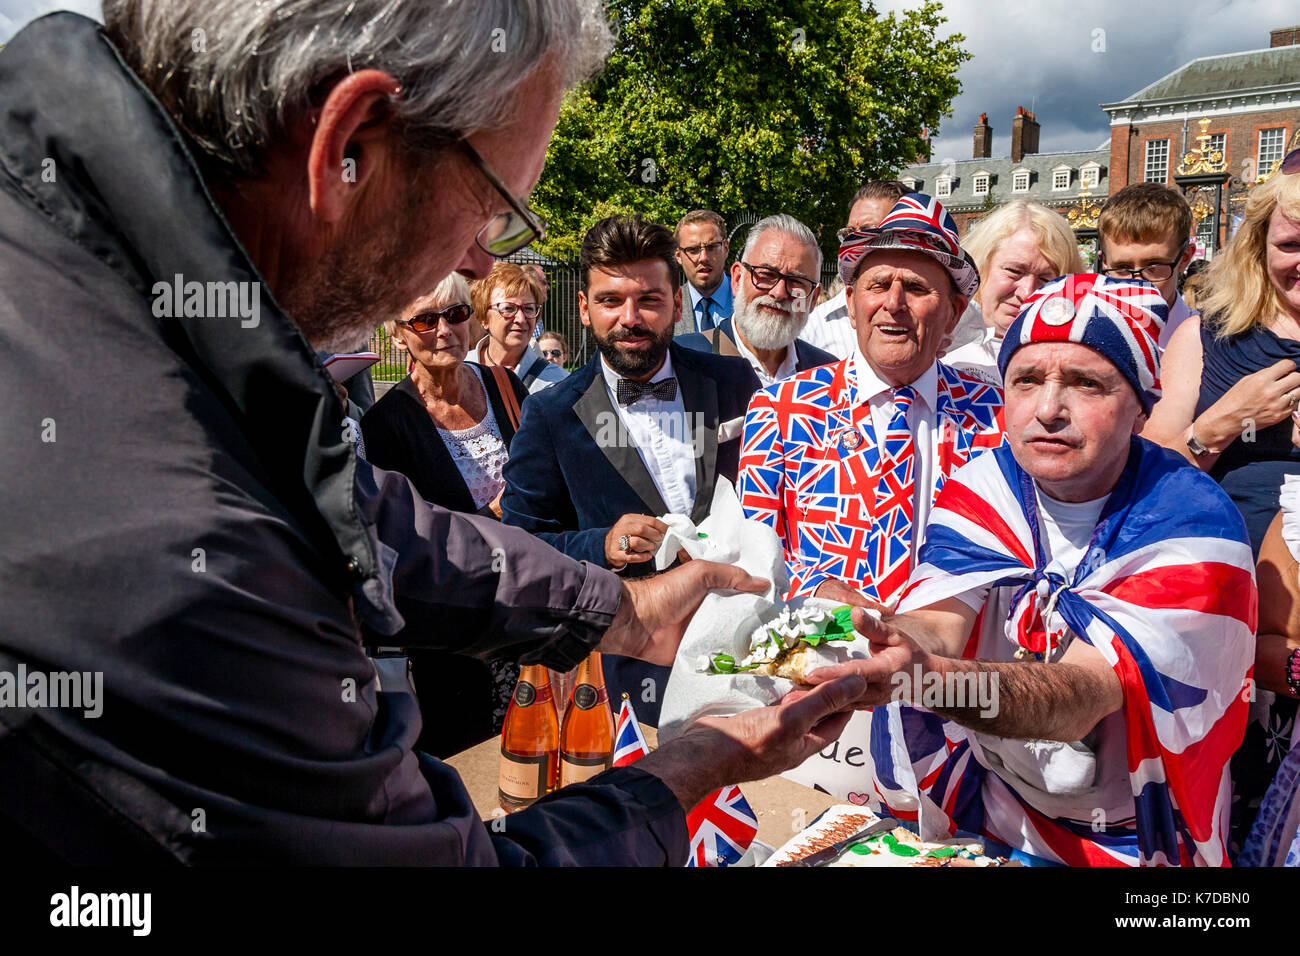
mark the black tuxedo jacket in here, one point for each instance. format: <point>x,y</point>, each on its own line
<point>573,472</point>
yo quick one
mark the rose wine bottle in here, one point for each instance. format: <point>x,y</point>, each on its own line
<point>530,742</point>
<point>587,737</point>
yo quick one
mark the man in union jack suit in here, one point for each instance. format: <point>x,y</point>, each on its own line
<point>1070,668</point>
<point>843,461</point>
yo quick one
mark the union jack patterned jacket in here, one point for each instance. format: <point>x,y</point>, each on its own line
<point>798,475</point>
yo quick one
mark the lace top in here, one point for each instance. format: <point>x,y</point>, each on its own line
<point>478,452</point>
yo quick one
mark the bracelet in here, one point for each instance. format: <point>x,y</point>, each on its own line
<point>1292,672</point>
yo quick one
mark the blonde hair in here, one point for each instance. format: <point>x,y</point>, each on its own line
<point>1241,296</point>
<point>1055,240</point>
<point>515,280</point>
<point>450,291</point>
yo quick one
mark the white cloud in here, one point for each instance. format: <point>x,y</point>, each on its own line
<point>1040,54</point>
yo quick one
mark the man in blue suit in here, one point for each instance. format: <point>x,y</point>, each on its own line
<point>643,429</point>
<point>775,285</point>
<point>702,250</point>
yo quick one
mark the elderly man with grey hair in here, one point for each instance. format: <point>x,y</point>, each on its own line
<point>202,195</point>
<point>775,283</point>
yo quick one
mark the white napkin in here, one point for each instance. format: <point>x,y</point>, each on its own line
<point>725,623</point>
<point>719,537</point>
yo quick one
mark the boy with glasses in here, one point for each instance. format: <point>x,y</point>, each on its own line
<point>1145,233</point>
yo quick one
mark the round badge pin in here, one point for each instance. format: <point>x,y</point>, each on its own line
<point>850,439</point>
<point>1056,311</point>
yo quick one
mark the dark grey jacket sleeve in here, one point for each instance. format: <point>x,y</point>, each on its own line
<point>472,585</point>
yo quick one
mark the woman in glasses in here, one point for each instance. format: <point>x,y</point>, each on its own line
<point>1231,384</point>
<point>448,426</point>
<point>507,304</point>
<point>1018,247</point>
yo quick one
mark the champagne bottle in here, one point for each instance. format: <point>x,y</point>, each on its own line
<point>530,742</point>
<point>587,737</point>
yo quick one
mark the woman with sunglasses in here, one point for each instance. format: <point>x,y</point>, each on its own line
<point>554,348</point>
<point>507,303</point>
<point>448,426</point>
<point>1231,384</point>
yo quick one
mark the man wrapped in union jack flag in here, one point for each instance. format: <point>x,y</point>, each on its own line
<point>843,461</point>
<point>1080,626</point>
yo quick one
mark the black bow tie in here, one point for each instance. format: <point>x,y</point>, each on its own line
<point>629,391</point>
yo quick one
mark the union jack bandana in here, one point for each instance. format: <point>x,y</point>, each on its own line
<point>1120,318</point>
<point>920,223</point>
<point>1166,595</point>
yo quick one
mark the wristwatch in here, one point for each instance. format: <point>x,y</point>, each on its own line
<point>1199,450</point>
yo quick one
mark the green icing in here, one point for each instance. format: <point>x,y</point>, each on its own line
<point>900,849</point>
<point>861,848</point>
<point>943,851</point>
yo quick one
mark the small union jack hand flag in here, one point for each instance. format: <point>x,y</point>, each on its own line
<point>629,744</point>
<point>722,826</point>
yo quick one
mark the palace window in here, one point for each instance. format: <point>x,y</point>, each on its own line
<point>1157,161</point>
<point>1090,175</point>
<point>1060,179</point>
<point>1020,181</point>
<point>943,186</point>
<point>1271,144</point>
<point>981,184</point>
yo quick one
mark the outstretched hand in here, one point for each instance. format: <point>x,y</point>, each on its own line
<point>893,651</point>
<point>717,751</point>
<point>654,612</point>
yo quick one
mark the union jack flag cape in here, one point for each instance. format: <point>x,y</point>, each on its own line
<point>799,477</point>
<point>722,826</point>
<point>1166,593</point>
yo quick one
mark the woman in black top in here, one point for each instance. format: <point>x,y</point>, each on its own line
<point>1231,383</point>
<point>447,427</point>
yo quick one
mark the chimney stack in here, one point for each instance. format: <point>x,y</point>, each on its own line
<point>1024,134</point>
<point>1284,36</point>
<point>983,138</point>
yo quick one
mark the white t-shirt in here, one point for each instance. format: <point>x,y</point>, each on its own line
<point>979,358</point>
<point>1070,780</point>
<point>829,328</point>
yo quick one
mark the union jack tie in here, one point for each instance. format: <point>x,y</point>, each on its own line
<point>895,487</point>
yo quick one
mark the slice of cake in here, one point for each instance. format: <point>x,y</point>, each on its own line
<point>897,846</point>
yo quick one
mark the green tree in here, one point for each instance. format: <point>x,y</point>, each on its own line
<point>757,106</point>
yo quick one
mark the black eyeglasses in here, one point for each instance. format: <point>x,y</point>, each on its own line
<point>1152,271</point>
<point>510,231</point>
<point>765,279</point>
<point>510,310</point>
<point>708,248</point>
<point>552,353</point>
<point>428,321</point>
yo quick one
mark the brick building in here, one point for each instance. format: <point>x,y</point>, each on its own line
<point>1252,100</point>
<point>970,187</point>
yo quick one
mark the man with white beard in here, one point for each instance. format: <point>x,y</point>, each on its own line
<point>774,283</point>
